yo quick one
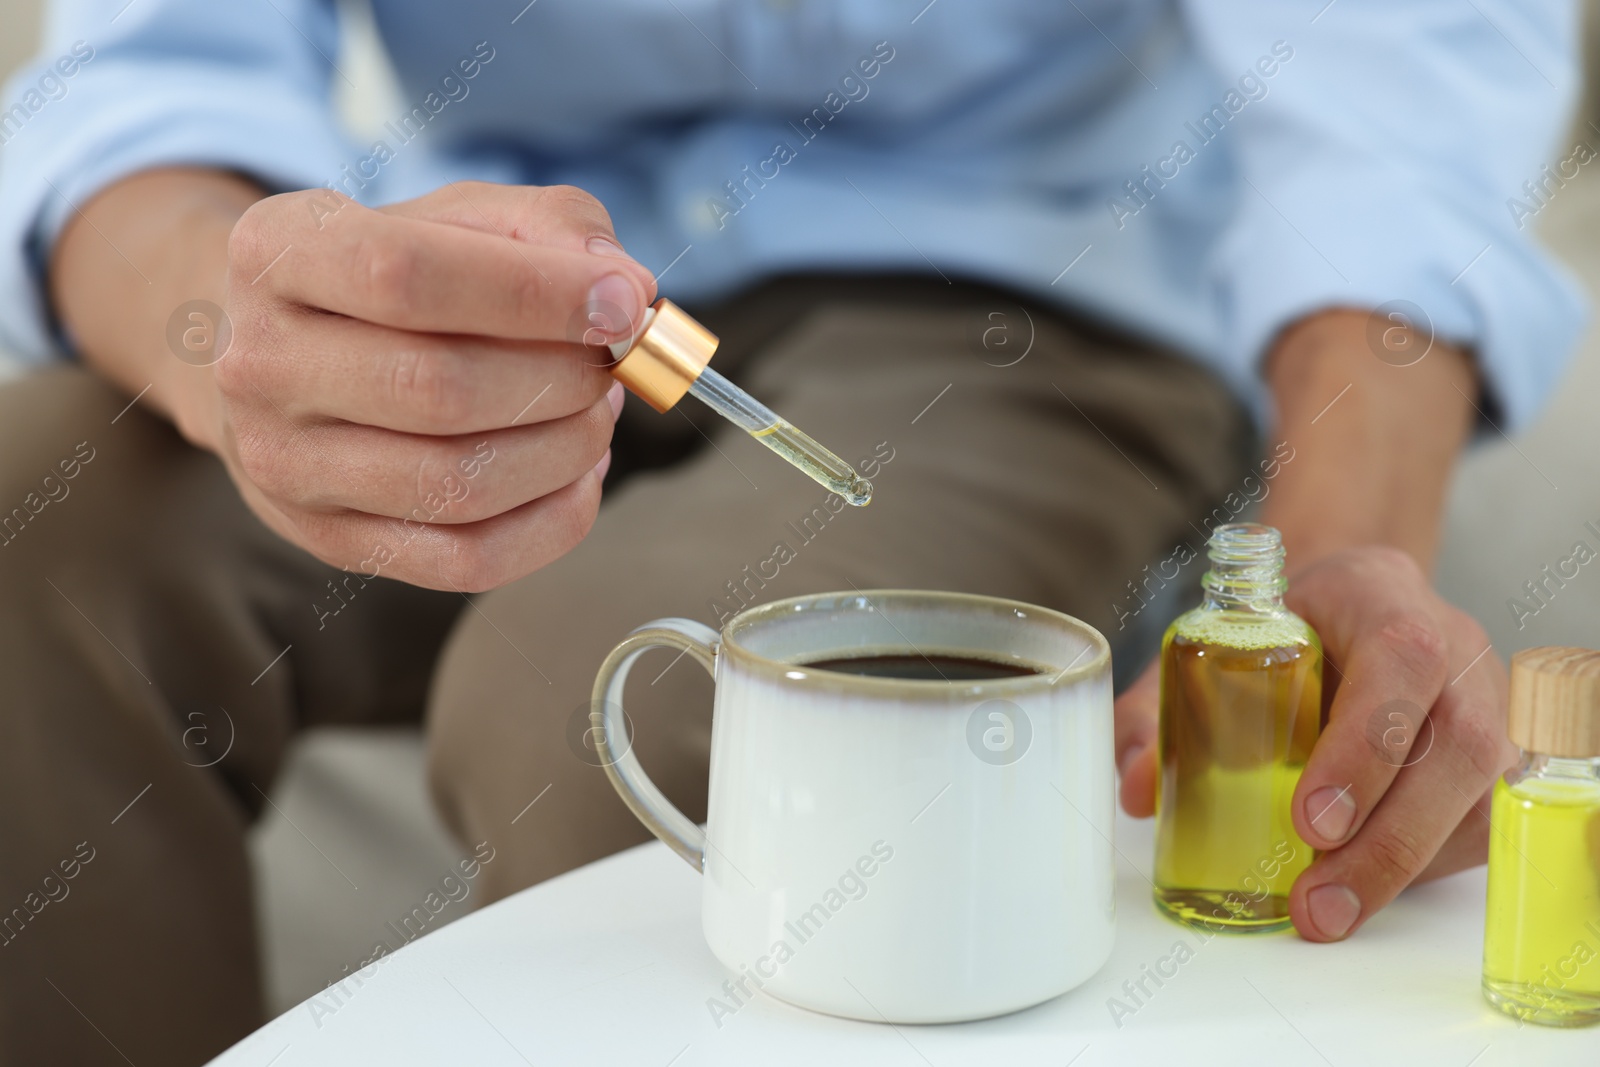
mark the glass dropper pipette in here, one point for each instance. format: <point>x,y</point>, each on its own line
<point>669,356</point>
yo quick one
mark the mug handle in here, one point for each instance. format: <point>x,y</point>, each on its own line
<point>615,746</point>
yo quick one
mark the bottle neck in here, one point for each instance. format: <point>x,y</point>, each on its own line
<point>1246,569</point>
<point>1579,768</point>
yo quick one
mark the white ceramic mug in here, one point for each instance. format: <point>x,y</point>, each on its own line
<point>890,849</point>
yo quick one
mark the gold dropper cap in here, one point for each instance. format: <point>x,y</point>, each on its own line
<point>664,358</point>
<point>1555,701</point>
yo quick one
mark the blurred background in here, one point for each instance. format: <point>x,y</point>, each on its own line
<point>1516,506</point>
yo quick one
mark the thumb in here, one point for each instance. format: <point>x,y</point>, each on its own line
<point>1136,714</point>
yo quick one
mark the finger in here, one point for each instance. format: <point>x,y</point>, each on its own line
<point>561,216</point>
<point>1467,846</point>
<point>1137,717</point>
<point>1420,812</point>
<point>469,558</point>
<point>438,384</point>
<point>1376,624</point>
<point>415,274</point>
<point>336,468</point>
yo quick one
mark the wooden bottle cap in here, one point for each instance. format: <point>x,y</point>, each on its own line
<point>1555,701</point>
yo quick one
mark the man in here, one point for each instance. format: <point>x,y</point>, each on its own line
<point>1029,263</point>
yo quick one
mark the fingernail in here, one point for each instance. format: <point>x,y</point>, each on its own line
<point>1130,756</point>
<point>604,246</point>
<point>1331,812</point>
<point>614,307</point>
<point>1334,909</point>
<point>615,394</point>
<point>603,466</point>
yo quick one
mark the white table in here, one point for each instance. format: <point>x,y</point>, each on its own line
<point>605,966</point>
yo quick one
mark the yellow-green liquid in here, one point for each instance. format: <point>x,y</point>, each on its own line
<point>1241,707</point>
<point>821,465</point>
<point>1541,942</point>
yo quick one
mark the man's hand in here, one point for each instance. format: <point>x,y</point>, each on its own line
<point>1414,740</point>
<point>403,391</point>
<point>1415,730</point>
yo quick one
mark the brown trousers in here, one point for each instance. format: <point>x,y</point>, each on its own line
<point>159,647</point>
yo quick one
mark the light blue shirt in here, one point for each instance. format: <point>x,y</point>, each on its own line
<point>1201,172</point>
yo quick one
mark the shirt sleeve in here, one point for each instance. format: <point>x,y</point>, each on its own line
<point>1386,163</point>
<point>241,86</point>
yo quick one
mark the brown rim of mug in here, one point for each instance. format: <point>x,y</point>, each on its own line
<point>779,670</point>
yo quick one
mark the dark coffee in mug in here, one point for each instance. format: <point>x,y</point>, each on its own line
<point>919,668</point>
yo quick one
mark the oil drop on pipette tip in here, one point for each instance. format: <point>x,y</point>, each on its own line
<point>670,354</point>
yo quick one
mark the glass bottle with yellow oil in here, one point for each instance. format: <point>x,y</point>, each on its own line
<point>1241,706</point>
<point>1541,939</point>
